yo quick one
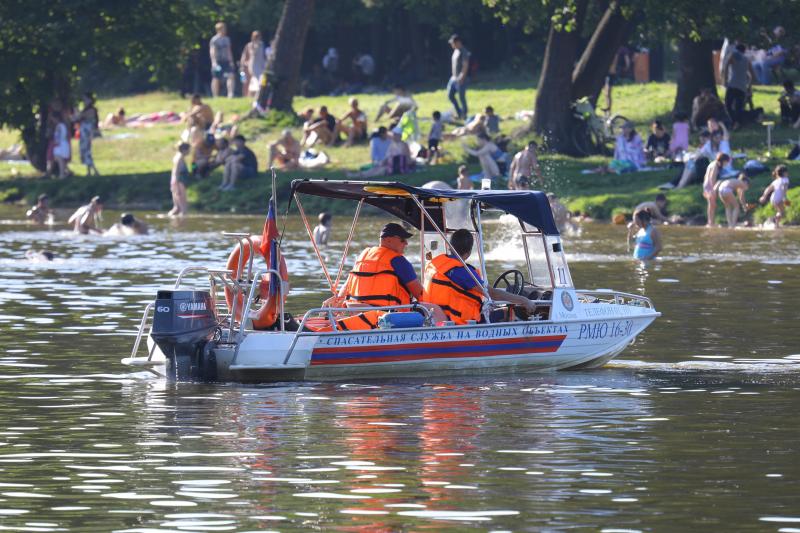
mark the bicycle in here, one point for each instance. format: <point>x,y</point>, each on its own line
<point>592,134</point>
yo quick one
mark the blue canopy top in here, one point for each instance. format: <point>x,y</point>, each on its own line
<point>530,207</point>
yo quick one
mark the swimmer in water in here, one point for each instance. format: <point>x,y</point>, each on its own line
<point>128,225</point>
<point>40,213</point>
<point>323,229</point>
<point>647,239</point>
<point>86,218</point>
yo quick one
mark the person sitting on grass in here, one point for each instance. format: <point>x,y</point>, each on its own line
<point>628,151</point>
<point>240,164</point>
<point>485,154</point>
<point>731,192</point>
<point>379,143</point>
<point>658,143</point>
<point>202,156</point>
<point>356,132</point>
<point>285,151</point>
<point>320,129</point>
<point>115,119</point>
<point>401,102</point>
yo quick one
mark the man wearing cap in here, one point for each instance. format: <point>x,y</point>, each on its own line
<point>380,277</point>
<point>40,212</point>
<point>459,63</point>
<point>86,218</point>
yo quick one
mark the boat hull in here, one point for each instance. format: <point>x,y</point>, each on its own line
<point>458,350</point>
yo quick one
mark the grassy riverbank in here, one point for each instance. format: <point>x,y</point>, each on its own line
<point>135,162</point>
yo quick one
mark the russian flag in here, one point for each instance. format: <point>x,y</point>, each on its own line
<point>269,247</point>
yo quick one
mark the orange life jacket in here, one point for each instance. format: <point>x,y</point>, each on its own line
<point>373,281</point>
<point>457,303</point>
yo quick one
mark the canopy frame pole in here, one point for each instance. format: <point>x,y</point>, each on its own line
<point>422,246</point>
<point>456,254</point>
<point>524,234</point>
<point>347,246</point>
<point>476,223</point>
<point>313,242</point>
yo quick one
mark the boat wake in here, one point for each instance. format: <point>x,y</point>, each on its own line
<point>789,363</point>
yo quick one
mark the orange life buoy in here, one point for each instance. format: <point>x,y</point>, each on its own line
<point>267,314</point>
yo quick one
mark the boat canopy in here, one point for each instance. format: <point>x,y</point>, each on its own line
<point>530,207</point>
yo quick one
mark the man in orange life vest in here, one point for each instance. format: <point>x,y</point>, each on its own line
<point>381,276</point>
<point>451,287</point>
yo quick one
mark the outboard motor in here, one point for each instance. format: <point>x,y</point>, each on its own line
<point>184,323</point>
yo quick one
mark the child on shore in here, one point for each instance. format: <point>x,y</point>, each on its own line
<point>179,180</point>
<point>776,192</point>
<point>731,192</point>
<point>434,138</point>
<point>710,185</point>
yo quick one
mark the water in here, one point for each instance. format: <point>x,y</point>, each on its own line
<point>694,426</point>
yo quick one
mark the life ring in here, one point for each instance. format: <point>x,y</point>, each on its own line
<point>267,314</point>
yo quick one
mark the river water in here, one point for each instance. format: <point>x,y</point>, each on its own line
<point>694,426</point>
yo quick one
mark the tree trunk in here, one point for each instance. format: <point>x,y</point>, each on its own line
<point>695,72</point>
<point>290,38</point>
<point>590,73</point>
<point>552,117</point>
<point>36,134</point>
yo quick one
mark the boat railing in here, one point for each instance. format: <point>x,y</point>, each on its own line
<point>608,296</point>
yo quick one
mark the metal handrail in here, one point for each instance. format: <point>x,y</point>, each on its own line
<point>331,310</point>
<point>142,325</point>
<point>617,295</point>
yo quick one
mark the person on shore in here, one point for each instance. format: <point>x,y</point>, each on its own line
<point>219,48</point>
<point>179,180</point>
<point>285,151</point>
<point>240,164</point>
<point>789,102</point>
<point>378,145</point>
<point>658,143</point>
<point>40,213</point>
<point>485,154</point>
<point>435,137</point>
<point>524,165</point>
<point>199,118</point>
<point>322,129</point>
<point>776,193</point>
<point>128,225</point>
<point>356,132</point>
<point>458,291</point>
<point>62,151</point>
<point>738,74</point>
<point>253,63</point>
<point>628,151</point>
<point>86,219</point>
<point>679,143</point>
<point>88,119</point>
<point>710,185</point>
<point>459,70</point>
<point>656,209</point>
<point>647,238</point>
<point>401,102</point>
<point>463,182</point>
<point>202,156</point>
<point>323,229</point>
<point>731,193</point>
<point>115,119</point>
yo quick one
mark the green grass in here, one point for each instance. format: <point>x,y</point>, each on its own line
<point>136,169</point>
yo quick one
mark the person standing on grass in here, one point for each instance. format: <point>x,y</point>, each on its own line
<point>221,60</point>
<point>253,63</point>
<point>179,180</point>
<point>459,70</point>
<point>738,75</point>
<point>89,120</point>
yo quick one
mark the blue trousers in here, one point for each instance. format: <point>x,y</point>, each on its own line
<point>454,88</point>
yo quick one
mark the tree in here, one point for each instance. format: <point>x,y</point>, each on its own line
<point>46,46</point>
<point>290,39</point>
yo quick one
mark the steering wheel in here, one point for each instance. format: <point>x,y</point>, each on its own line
<point>514,287</point>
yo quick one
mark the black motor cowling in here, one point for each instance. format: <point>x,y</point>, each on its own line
<point>184,323</point>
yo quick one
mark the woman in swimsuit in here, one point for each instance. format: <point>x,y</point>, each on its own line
<point>648,238</point>
<point>709,182</point>
<point>778,188</point>
<point>731,192</point>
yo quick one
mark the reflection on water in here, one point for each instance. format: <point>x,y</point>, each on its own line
<point>691,427</point>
